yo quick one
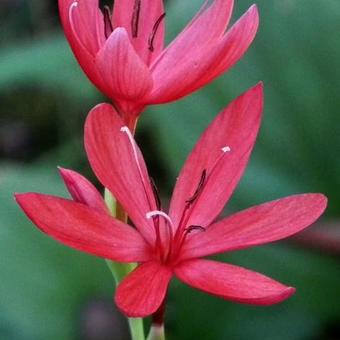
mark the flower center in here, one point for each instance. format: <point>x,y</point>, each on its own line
<point>126,130</point>
<point>164,236</point>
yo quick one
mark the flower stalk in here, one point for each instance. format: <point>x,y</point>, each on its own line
<point>121,270</point>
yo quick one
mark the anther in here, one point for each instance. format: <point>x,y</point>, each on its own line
<point>70,12</point>
<point>154,31</point>
<point>135,18</point>
<point>226,149</point>
<point>199,187</point>
<point>194,227</point>
<point>108,28</point>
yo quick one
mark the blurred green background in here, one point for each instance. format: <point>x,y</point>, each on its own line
<point>48,291</point>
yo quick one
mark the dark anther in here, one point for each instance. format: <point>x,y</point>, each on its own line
<point>135,18</point>
<point>155,193</point>
<point>107,21</point>
<point>194,227</point>
<point>154,31</point>
<point>199,188</point>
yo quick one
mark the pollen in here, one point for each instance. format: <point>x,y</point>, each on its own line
<point>226,149</point>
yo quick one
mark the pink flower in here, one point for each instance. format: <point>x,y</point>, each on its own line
<point>123,54</point>
<point>171,244</point>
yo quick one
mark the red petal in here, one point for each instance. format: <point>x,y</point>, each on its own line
<point>83,228</point>
<point>232,282</point>
<point>235,127</point>
<point>82,190</point>
<point>261,224</point>
<point>143,291</point>
<point>208,25</point>
<point>124,73</point>
<point>150,11</point>
<point>113,159</point>
<point>192,69</point>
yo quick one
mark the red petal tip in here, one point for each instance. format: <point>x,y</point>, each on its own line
<point>17,196</point>
<point>254,9</point>
<point>254,14</point>
<point>258,87</point>
<point>320,199</point>
<point>287,293</point>
<point>272,300</point>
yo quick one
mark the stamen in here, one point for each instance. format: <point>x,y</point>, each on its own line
<point>135,18</point>
<point>154,31</point>
<point>199,187</point>
<point>72,7</point>
<point>74,4</point>
<point>155,193</point>
<point>70,14</point>
<point>154,213</point>
<point>126,130</point>
<point>226,149</point>
<point>194,227</point>
<point>165,247</point>
<point>108,28</point>
<point>132,142</point>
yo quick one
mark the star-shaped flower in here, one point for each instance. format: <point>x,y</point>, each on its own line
<point>176,243</point>
<point>123,53</point>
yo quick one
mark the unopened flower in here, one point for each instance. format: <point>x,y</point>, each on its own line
<point>123,53</point>
<point>171,244</point>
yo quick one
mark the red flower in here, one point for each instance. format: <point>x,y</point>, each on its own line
<point>123,53</point>
<point>174,244</point>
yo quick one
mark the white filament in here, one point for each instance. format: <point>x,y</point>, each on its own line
<point>70,12</point>
<point>132,142</point>
<point>153,213</point>
<point>126,130</point>
<point>73,6</point>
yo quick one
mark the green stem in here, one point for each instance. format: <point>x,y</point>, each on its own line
<point>121,270</point>
<point>136,328</point>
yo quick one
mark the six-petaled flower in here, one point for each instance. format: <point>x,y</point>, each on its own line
<point>176,243</point>
<point>123,53</point>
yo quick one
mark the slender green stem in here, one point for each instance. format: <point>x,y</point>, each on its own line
<point>136,328</point>
<point>120,270</point>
